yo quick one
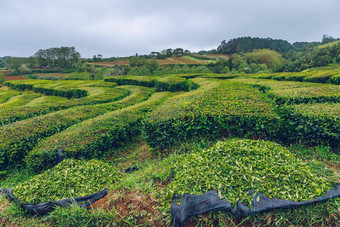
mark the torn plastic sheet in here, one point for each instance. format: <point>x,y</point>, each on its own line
<point>192,205</point>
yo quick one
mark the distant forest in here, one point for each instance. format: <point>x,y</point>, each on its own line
<point>240,55</point>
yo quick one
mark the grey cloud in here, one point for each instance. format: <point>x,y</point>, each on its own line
<point>121,28</point>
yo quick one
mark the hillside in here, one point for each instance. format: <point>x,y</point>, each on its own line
<point>273,133</point>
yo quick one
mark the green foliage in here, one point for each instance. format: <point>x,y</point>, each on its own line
<point>214,110</point>
<point>2,77</point>
<point>67,93</point>
<point>18,138</point>
<point>164,83</point>
<point>236,166</point>
<point>335,79</point>
<point>79,76</point>
<point>93,137</point>
<point>290,92</point>
<point>99,92</point>
<point>62,57</point>
<point>70,178</point>
<point>271,58</point>
<point>312,124</point>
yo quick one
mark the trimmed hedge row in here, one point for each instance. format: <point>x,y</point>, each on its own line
<point>20,137</point>
<point>161,83</point>
<point>19,100</point>
<point>47,104</point>
<point>312,124</point>
<point>5,95</point>
<point>91,138</point>
<point>290,92</point>
<point>75,93</point>
<point>220,109</point>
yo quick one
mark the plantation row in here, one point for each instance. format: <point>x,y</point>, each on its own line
<point>194,107</point>
<point>216,109</point>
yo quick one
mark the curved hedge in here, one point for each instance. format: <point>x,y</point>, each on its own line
<point>220,109</point>
<point>18,138</point>
<point>91,138</point>
<point>74,93</point>
<point>161,83</point>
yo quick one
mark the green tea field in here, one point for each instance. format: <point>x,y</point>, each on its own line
<point>272,133</point>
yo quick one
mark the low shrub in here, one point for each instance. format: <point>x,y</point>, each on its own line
<point>215,110</point>
<point>162,83</point>
<point>319,78</point>
<point>91,138</point>
<point>335,79</point>
<point>74,93</point>
<point>312,124</point>
<point>70,178</point>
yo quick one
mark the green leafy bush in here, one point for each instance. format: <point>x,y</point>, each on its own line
<point>235,166</point>
<point>319,78</point>
<point>312,124</point>
<point>18,138</point>
<point>2,77</point>
<point>74,93</point>
<point>215,110</point>
<point>91,138</point>
<point>335,79</point>
<point>162,83</point>
<point>291,92</point>
<point>70,178</point>
<point>99,92</point>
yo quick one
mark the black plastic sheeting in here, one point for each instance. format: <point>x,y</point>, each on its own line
<point>192,205</point>
<point>44,208</point>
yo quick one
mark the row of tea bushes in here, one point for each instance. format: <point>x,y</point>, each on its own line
<point>5,95</point>
<point>330,77</point>
<point>215,110</point>
<point>312,124</point>
<point>18,138</point>
<point>161,83</point>
<point>19,100</point>
<point>74,93</point>
<point>47,104</point>
<point>69,179</point>
<point>91,138</point>
<point>290,92</point>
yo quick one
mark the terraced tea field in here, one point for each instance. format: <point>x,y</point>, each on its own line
<point>278,135</point>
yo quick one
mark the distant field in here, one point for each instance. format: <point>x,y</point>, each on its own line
<point>15,78</point>
<point>167,61</point>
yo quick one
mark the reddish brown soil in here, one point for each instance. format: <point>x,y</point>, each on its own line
<point>112,63</point>
<point>52,74</point>
<point>180,60</point>
<point>133,203</point>
<point>15,78</point>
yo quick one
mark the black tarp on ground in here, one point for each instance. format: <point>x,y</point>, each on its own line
<point>192,205</point>
<point>44,208</point>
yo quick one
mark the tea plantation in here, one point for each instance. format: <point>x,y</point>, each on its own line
<point>151,138</point>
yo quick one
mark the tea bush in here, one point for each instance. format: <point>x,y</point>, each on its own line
<point>235,166</point>
<point>215,110</point>
<point>70,178</point>
<point>74,93</point>
<point>161,83</point>
<point>312,124</point>
<point>91,138</point>
<point>18,138</point>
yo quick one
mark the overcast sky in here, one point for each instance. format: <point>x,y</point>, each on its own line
<point>125,27</point>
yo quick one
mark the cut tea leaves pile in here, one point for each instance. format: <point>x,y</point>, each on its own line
<point>70,178</point>
<point>236,166</point>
